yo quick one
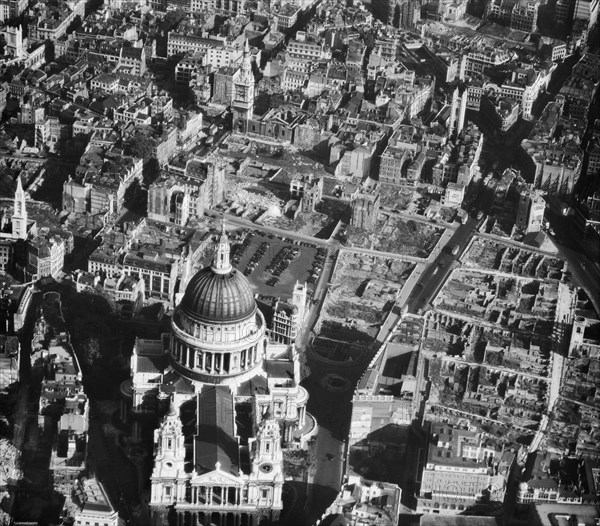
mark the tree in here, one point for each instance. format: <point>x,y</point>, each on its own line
<point>140,146</point>
<point>136,198</point>
<point>172,19</point>
<point>91,350</point>
<point>151,171</point>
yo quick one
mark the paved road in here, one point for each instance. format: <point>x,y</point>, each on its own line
<point>561,340</point>
<point>434,277</point>
<point>333,410</point>
<point>580,254</point>
<point>511,242</point>
<point>418,218</point>
<point>24,158</point>
<point>103,464</point>
<point>246,223</point>
<point>318,298</point>
<point>379,254</point>
<point>326,481</point>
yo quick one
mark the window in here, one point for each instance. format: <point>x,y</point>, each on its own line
<point>169,443</point>
<point>168,491</point>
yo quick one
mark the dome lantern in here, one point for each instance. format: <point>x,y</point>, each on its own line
<point>221,263</point>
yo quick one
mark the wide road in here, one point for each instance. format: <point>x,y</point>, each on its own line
<point>581,255</point>
<point>433,277</point>
<point>332,409</point>
<point>103,465</point>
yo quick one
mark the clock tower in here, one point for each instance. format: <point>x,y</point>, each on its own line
<point>169,477</point>
<point>266,479</point>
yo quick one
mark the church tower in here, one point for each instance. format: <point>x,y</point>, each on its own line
<point>168,476</point>
<point>243,93</point>
<point>299,300</point>
<point>19,217</point>
<point>266,480</point>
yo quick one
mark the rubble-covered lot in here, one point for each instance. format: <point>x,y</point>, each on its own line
<point>517,304</point>
<point>398,198</point>
<point>488,254</point>
<point>489,339</point>
<point>398,235</point>
<point>364,289</point>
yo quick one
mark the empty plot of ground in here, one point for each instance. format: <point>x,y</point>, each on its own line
<point>363,291</point>
<point>397,198</point>
<point>487,254</point>
<point>319,224</point>
<point>517,304</point>
<point>398,235</point>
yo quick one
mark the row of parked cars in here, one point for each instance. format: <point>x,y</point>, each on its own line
<point>255,259</point>
<point>279,264</point>
<point>238,250</point>
<point>317,265</point>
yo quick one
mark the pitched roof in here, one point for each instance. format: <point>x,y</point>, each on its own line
<point>216,440</point>
<point>173,382</point>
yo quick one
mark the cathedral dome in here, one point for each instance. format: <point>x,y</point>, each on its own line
<point>214,297</point>
<point>219,293</point>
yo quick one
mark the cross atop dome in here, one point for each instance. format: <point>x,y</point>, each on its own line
<point>221,263</point>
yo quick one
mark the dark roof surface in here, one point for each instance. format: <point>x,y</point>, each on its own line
<point>215,297</point>
<point>280,369</point>
<point>216,440</point>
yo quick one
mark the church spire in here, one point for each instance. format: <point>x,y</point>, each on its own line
<point>246,69</point>
<point>19,217</point>
<point>243,96</point>
<point>221,263</point>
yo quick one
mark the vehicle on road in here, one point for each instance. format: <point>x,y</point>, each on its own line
<point>453,249</point>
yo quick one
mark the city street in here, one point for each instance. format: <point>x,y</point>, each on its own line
<point>333,410</point>
<point>434,277</point>
<point>246,223</point>
<point>112,468</point>
<point>580,254</point>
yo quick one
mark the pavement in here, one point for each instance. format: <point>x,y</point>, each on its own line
<point>231,219</point>
<point>517,244</point>
<point>581,256</point>
<point>333,410</point>
<point>380,254</point>
<point>111,467</point>
<point>435,275</point>
<point>319,295</point>
<point>419,218</point>
<point>326,482</point>
<point>561,339</point>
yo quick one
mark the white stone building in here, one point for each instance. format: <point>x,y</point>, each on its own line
<point>231,401</point>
